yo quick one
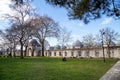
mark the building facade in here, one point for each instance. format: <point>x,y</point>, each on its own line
<point>84,52</point>
<point>77,51</point>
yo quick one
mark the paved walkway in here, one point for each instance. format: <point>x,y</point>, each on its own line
<point>113,73</point>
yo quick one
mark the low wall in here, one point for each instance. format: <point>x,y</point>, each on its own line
<point>113,73</point>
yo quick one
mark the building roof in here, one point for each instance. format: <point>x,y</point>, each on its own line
<point>34,42</point>
<point>77,43</point>
<point>118,43</point>
<point>57,47</point>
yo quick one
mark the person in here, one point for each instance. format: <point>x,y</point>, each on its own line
<point>64,59</point>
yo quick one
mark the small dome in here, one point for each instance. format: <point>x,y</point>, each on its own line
<point>51,48</point>
<point>112,43</point>
<point>118,43</point>
<point>57,47</point>
<point>46,45</point>
<point>77,43</point>
<point>34,42</point>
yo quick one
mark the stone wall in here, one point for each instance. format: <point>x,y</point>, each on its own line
<point>84,52</point>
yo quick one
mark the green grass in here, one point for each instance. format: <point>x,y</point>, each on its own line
<point>44,68</point>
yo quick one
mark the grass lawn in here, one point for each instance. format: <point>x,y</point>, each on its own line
<point>44,68</point>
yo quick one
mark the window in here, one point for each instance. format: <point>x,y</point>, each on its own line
<point>65,53</point>
<point>87,54</point>
<point>72,54</point>
<point>60,54</point>
<point>49,53</point>
<point>46,53</point>
<point>54,53</point>
<point>112,53</point>
<point>96,53</point>
<point>79,53</point>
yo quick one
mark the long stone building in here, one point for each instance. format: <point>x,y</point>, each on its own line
<point>76,51</point>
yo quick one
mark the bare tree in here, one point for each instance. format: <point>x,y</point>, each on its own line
<point>110,36</point>
<point>1,37</point>
<point>6,43</point>
<point>24,36</point>
<point>45,27</point>
<point>102,41</point>
<point>89,41</point>
<point>20,21</point>
<point>11,37</point>
<point>98,39</point>
<point>64,37</point>
<point>26,45</point>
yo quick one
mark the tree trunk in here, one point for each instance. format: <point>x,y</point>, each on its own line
<point>10,54</point>
<point>14,53</point>
<point>39,53</point>
<point>43,48</point>
<point>14,50</point>
<point>7,51</point>
<point>26,50</point>
<point>33,51</point>
<point>21,51</point>
<point>109,52</point>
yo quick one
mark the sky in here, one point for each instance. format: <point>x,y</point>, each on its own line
<point>77,27</point>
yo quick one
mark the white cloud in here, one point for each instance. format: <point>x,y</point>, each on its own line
<point>4,7</point>
<point>106,21</point>
<point>71,24</point>
<point>81,24</point>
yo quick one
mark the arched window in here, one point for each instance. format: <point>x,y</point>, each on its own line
<point>65,53</point>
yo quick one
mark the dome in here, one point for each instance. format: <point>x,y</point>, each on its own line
<point>46,45</point>
<point>118,43</point>
<point>63,47</point>
<point>112,43</point>
<point>51,48</point>
<point>34,42</point>
<point>57,47</point>
<point>77,43</point>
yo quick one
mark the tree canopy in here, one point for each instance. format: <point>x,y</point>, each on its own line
<point>88,10</point>
<point>45,27</point>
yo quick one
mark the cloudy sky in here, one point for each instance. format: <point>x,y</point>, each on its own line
<point>78,28</point>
